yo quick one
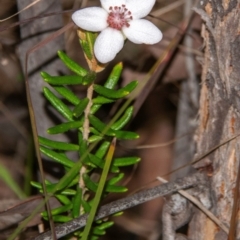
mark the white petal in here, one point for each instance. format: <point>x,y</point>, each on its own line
<point>106,4</point>
<point>142,31</point>
<point>109,42</point>
<point>140,8</point>
<point>91,19</point>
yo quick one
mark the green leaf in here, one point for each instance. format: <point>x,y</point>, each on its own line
<point>83,147</point>
<point>123,120</point>
<point>62,80</point>
<point>105,225</point>
<point>64,127</point>
<point>63,199</point>
<point>68,192</point>
<point>86,206</point>
<point>94,237</point>
<point>100,163</point>
<point>100,126</point>
<point>51,187</point>
<point>89,78</point>
<point>115,94</point>
<point>67,94</point>
<point>92,186</point>
<point>114,76</point>
<point>94,131</point>
<point>102,100</point>
<point>60,158</point>
<point>98,231</point>
<point>36,184</point>
<point>126,135</point>
<point>106,130</point>
<point>102,150</point>
<point>58,210</point>
<point>115,189</point>
<point>77,203</point>
<point>58,145</point>
<point>60,218</point>
<point>58,104</point>
<point>94,138</point>
<point>79,109</point>
<point>125,161</point>
<point>73,66</point>
<point>116,179</point>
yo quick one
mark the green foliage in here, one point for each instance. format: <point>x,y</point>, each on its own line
<point>81,193</point>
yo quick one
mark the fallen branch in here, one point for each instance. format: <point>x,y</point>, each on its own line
<point>125,203</point>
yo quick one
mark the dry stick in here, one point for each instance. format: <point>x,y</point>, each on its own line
<point>125,203</point>
<point>168,8</point>
<point>161,65</point>
<point>194,160</point>
<point>200,206</point>
<point>30,5</point>
<point>3,28</point>
<point>32,115</point>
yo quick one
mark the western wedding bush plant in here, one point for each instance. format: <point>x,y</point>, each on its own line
<point>96,172</point>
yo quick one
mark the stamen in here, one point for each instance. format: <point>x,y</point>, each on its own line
<point>119,17</point>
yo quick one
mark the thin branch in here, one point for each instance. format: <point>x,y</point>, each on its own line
<point>200,206</point>
<point>126,203</point>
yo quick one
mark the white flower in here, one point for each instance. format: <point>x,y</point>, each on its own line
<point>118,20</point>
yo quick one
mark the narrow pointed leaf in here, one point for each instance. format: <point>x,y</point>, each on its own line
<point>62,80</point>
<point>94,138</point>
<point>126,135</point>
<point>106,225</point>
<point>114,76</point>
<point>100,126</point>
<point>100,163</point>
<point>102,150</point>
<point>62,159</point>
<point>63,199</point>
<point>79,109</point>
<point>123,120</point>
<point>61,218</point>
<point>98,231</point>
<point>116,179</point>
<point>115,94</point>
<point>77,203</point>
<point>58,210</point>
<point>125,161</point>
<point>89,78</point>
<point>58,145</point>
<point>73,66</point>
<point>64,127</point>
<point>102,100</point>
<point>115,189</point>
<point>67,94</point>
<point>58,104</point>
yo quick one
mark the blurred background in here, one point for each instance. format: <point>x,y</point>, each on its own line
<point>166,109</point>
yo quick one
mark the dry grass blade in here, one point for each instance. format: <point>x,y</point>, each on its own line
<point>22,10</point>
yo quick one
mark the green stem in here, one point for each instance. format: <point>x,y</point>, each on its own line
<point>99,191</point>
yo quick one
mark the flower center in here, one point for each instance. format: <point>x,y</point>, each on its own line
<point>119,17</point>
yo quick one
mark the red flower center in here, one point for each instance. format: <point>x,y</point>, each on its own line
<point>119,17</point>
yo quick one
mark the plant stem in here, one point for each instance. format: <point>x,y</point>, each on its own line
<point>86,134</point>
